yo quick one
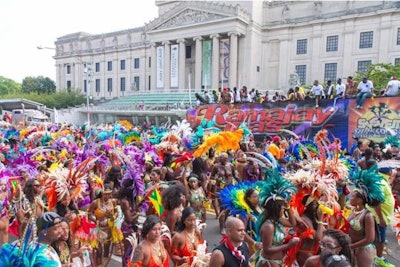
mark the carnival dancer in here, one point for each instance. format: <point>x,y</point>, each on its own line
<point>31,204</point>
<point>187,239</point>
<point>104,212</point>
<point>362,223</point>
<point>173,200</point>
<point>222,174</point>
<point>333,242</point>
<point>310,229</point>
<point>4,210</point>
<point>275,192</point>
<point>197,197</point>
<point>151,251</point>
<point>130,210</point>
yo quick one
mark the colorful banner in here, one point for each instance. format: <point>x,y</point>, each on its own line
<point>174,65</point>
<point>299,117</point>
<point>224,48</point>
<point>378,118</point>
<point>206,68</point>
<point>160,67</point>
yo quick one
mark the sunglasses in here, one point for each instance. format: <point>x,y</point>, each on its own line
<point>328,245</point>
<point>36,185</point>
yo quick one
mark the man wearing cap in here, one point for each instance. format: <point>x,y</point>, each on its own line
<point>392,88</point>
<point>365,89</point>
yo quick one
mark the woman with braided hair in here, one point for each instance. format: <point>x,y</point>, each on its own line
<point>333,242</point>
<point>272,232</point>
<point>277,214</point>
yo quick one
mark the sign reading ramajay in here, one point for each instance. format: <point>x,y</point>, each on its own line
<point>378,118</point>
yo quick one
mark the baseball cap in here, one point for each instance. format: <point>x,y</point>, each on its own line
<point>47,220</point>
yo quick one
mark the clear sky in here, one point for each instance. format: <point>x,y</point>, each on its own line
<point>27,24</point>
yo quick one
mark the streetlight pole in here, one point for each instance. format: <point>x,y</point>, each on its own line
<point>88,72</point>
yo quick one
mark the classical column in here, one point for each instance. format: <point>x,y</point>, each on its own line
<point>198,62</point>
<point>233,59</point>
<point>167,65</point>
<point>181,60</point>
<point>215,61</point>
<point>153,54</point>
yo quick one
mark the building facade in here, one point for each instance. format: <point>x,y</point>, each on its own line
<point>267,45</point>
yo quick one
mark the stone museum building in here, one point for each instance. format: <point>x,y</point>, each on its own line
<point>267,45</point>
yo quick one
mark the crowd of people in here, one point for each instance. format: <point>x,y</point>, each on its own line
<point>361,91</point>
<point>73,196</point>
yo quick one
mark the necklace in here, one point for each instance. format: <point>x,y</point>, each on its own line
<point>358,212</point>
<point>157,249</point>
<point>191,237</point>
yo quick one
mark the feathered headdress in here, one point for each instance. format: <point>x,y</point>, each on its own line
<point>275,187</point>
<point>368,182</point>
<point>233,198</point>
<point>222,141</point>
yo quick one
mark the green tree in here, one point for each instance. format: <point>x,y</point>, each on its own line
<point>40,85</point>
<point>8,86</point>
<point>379,74</point>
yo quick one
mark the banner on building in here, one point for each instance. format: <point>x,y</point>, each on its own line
<point>206,68</point>
<point>300,117</point>
<point>174,65</point>
<point>160,66</point>
<point>224,48</point>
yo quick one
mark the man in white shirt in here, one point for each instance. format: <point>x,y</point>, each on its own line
<point>340,90</point>
<point>318,91</point>
<point>365,89</point>
<point>392,88</point>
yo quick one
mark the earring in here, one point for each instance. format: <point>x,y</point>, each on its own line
<point>357,207</point>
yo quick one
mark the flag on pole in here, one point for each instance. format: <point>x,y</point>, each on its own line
<point>155,199</point>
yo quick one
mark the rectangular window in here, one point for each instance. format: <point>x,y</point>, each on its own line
<point>398,36</point>
<point>98,85</point>
<point>332,43</point>
<point>330,72</point>
<point>301,46</point>
<point>188,51</point>
<point>366,39</point>
<point>109,65</point>
<point>122,64</point>
<point>97,67</point>
<point>109,84</point>
<point>301,70</point>
<point>397,61</point>
<point>68,84</point>
<point>68,69</point>
<point>123,84</point>
<point>149,62</point>
<point>362,66</point>
<point>136,83</point>
<point>136,63</point>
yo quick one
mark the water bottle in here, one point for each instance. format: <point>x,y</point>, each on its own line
<point>86,259</point>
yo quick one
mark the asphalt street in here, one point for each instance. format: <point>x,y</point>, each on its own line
<point>212,236</point>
